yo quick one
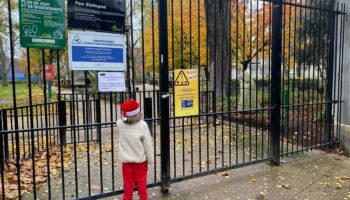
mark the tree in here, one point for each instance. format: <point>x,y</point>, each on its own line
<point>313,39</point>
<point>183,35</point>
<point>250,31</point>
<point>4,38</point>
<point>207,29</point>
<point>213,34</point>
<point>218,30</point>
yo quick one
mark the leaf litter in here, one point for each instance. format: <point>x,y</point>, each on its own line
<point>41,171</point>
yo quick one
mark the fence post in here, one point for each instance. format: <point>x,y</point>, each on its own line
<point>6,138</point>
<point>148,112</point>
<point>98,117</point>
<point>329,89</point>
<point>164,96</point>
<point>276,81</point>
<point>62,121</point>
<point>286,110</point>
<point>2,160</point>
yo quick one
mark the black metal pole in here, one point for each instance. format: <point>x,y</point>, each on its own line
<point>31,122</point>
<point>128,81</point>
<point>329,89</point>
<point>6,138</point>
<point>62,113</point>
<point>147,105</point>
<point>276,80</point>
<point>12,52</point>
<point>98,116</point>
<point>2,161</point>
<point>47,135</point>
<point>164,100</point>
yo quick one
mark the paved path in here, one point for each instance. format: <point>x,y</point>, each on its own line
<point>313,175</point>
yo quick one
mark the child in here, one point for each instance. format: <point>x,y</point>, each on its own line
<point>135,150</point>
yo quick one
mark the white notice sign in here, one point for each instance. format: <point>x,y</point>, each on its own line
<point>111,82</point>
<point>96,51</point>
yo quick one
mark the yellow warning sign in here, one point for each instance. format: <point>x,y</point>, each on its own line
<point>186,92</point>
<point>181,79</point>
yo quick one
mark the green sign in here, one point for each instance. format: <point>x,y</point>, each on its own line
<point>42,24</point>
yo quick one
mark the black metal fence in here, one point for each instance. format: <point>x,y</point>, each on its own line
<point>270,81</point>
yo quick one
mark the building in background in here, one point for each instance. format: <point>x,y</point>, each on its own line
<point>20,73</point>
<point>345,106</point>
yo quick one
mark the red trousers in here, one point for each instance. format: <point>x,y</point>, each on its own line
<point>135,173</point>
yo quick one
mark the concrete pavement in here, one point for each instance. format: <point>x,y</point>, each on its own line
<point>312,175</point>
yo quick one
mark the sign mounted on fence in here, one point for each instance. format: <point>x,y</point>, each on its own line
<point>186,92</point>
<point>42,24</point>
<point>98,15</point>
<point>111,82</point>
<point>96,51</point>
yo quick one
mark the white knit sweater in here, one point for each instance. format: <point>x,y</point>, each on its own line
<point>135,142</point>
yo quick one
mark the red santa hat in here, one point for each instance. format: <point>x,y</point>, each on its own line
<point>130,108</point>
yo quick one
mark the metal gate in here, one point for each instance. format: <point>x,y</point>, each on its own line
<point>270,79</point>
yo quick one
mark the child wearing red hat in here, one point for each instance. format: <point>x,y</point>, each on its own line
<point>135,150</point>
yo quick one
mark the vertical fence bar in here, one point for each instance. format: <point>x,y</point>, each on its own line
<point>330,76</point>
<point>62,114</point>
<point>86,131</point>
<point>47,135</point>
<point>341,65</point>
<point>62,121</point>
<point>14,100</point>
<point>98,116</point>
<point>112,136</point>
<point>6,138</point>
<point>147,102</point>
<point>200,93</point>
<point>263,84</point>
<point>173,88</point>
<point>99,132</point>
<point>229,88</point>
<point>236,103</point>
<point>132,51</point>
<point>31,123</point>
<point>314,88</point>
<point>2,161</point>
<point>276,80</point>
<point>164,102</point>
<point>335,66</point>
<point>73,129</point>
<point>23,134</point>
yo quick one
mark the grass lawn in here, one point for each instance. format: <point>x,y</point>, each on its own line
<point>22,95</point>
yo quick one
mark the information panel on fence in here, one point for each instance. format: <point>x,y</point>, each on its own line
<point>99,15</point>
<point>186,92</point>
<point>111,82</point>
<point>42,24</point>
<point>96,51</point>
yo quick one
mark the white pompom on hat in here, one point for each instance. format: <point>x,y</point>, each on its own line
<point>130,108</point>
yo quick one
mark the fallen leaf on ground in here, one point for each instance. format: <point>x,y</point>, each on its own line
<point>286,186</point>
<point>223,174</point>
<point>343,178</point>
<point>252,181</point>
<point>338,186</point>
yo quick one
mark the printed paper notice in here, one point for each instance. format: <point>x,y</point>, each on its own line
<point>186,92</point>
<point>111,82</point>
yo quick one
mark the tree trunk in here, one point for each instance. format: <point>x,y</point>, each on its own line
<point>3,64</point>
<point>51,56</point>
<point>218,32</point>
<point>4,76</point>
